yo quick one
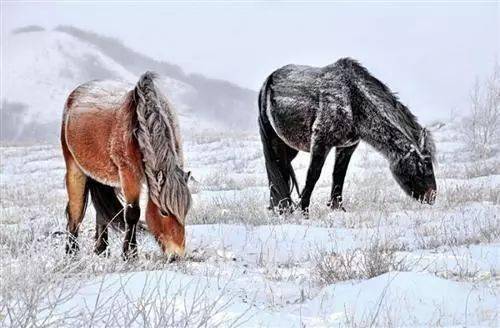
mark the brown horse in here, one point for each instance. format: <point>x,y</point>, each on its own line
<point>115,139</point>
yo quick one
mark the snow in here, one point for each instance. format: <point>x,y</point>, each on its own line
<point>409,298</point>
<point>246,266</point>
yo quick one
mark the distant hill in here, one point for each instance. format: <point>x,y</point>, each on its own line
<point>42,67</point>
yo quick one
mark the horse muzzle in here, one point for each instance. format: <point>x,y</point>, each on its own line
<point>174,249</point>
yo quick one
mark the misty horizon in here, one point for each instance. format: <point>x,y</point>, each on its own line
<point>429,54</point>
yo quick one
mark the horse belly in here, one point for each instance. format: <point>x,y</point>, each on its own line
<point>293,127</point>
<point>88,133</point>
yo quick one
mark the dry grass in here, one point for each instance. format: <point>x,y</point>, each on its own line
<point>360,263</point>
<point>162,302</point>
<point>34,268</point>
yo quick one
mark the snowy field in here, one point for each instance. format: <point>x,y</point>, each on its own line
<point>387,261</point>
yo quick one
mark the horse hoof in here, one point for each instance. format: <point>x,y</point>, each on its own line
<point>101,251</point>
<point>130,255</point>
<point>338,208</point>
<point>281,210</point>
<point>285,210</point>
<point>336,205</point>
<point>72,248</point>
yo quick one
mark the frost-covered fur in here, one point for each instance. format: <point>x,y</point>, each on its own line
<point>315,109</point>
<point>159,140</point>
<point>386,106</point>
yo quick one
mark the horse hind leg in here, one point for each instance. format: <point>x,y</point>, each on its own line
<point>286,155</point>
<point>76,186</point>
<point>319,152</point>
<point>108,212</point>
<point>101,238</point>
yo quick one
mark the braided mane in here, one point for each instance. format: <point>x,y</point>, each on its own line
<point>158,138</point>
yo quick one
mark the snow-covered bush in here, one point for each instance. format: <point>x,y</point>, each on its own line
<point>481,129</point>
<point>359,263</point>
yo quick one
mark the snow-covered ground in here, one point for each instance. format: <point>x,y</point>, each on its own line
<point>386,261</point>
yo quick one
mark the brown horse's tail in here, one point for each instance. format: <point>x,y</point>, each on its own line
<point>109,210</point>
<point>156,134</point>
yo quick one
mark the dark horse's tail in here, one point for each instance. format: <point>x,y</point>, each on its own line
<point>278,164</point>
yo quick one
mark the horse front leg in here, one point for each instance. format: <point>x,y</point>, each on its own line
<point>101,238</point>
<point>319,152</point>
<point>131,188</point>
<point>342,159</point>
<point>132,215</point>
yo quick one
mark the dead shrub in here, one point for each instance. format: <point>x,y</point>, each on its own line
<point>360,263</point>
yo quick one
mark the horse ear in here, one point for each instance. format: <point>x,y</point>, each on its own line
<point>187,175</point>
<point>423,137</point>
<point>159,177</point>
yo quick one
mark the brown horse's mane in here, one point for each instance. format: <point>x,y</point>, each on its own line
<point>154,125</point>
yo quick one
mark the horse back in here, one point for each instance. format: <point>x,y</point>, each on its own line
<point>93,128</point>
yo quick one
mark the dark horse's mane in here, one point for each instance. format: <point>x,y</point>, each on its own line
<point>401,116</point>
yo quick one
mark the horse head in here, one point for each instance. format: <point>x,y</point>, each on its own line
<point>168,208</point>
<point>414,171</point>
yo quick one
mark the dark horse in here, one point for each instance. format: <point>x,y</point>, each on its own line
<point>303,108</point>
<point>116,138</point>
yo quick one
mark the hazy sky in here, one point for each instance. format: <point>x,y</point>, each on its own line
<point>428,52</point>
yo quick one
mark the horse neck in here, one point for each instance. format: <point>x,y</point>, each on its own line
<point>385,137</point>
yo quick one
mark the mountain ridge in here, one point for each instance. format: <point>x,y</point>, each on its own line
<point>50,63</point>
<point>211,92</point>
